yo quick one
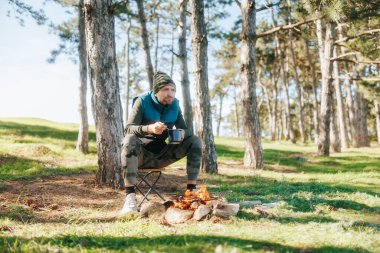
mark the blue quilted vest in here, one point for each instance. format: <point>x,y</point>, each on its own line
<point>154,111</point>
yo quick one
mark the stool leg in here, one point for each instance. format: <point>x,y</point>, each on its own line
<point>150,185</point>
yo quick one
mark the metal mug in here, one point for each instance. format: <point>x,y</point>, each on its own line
<point>175,136</point>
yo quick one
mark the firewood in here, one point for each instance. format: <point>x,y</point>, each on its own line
<point>201,212</point>
<point>152,210</point>
<point>250,204</point>
<point>176,215</point>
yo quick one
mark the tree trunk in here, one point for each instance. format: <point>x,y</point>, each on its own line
<point>289,133</point>
<point>253,155</point>
<point>185,83</point>
<point>157,43</point>
<point>298,87</point>
<point>326,95</point>
<point>334,133</point>
<point>377,111</point>
<point>219,115</point>
<point>172,54</point>
<point>352,126</point>
<point>361,113</point>
<point>236,112</point>
<point>100,35</point>
<point>127,70</point>
<point>145,40</point>
<point>315,85</point>
<point>339,103</point>
<point>199,45</point>
<point>82,143</point>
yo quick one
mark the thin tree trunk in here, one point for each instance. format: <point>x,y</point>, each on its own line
<point>339,103</point>
<point>253,155</point>
<point>236,112</point>
<point>349,100</point>
<point>377,111</point>
<point>100,36</point>
<point>219,115</point>
<point>314,85</point>
<point>297,83</point>
<point>199,45</point>
<point>334,133</point>
<point>274,108</point>
<point>326,95</point>
<point>82,143</point>
<point>157,44</point>
<point>289,133</point>
<point>145,40</point>
<point>127,71</point>
<point>185,83</point>
<point>172,55</point>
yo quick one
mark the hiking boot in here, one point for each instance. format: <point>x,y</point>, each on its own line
<point>130,204</point>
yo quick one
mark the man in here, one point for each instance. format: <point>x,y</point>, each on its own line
<point>153,113</point>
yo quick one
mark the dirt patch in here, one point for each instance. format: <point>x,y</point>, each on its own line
<point>57,197</point>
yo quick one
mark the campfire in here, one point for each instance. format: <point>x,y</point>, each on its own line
<point>197,205</point>
<point>192,200</point>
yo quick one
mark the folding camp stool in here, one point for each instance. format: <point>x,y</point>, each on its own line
<point>148,177</point>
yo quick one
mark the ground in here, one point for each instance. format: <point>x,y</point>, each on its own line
<point>49,200</point>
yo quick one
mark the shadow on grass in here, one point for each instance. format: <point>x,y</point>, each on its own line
<point>302,196</point>
<point>167,243</point>
<point>14,167</point>
<point>42,131</point>
<point>320,219</point>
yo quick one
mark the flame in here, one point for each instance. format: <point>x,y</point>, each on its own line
<point>202,196</point>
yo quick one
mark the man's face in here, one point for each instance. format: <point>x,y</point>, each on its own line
<point>166,95</point>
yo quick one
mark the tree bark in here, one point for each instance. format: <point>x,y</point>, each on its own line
<point>157,43</point>
<point>253,155</point>
<point>326,95</point>
<point>100,36</point>
<point>236,111</point>
<point>219,121</point>
<point>127,70</point>
<point>314,85</point>
<point>82,143</point>
<point>289,133</point>
<point>297,83</point>
<point>352,126</point>
<point>339,104</point>
<point>334,133</point>
<point>185,83</point>
<point>145,40</point>
<point>377,111</point>
<point>199,45</point>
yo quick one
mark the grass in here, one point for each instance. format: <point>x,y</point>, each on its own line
<point>327,204</point>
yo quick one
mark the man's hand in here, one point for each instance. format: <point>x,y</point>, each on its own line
<point>156,128</point>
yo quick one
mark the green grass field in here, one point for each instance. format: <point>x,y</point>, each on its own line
<point>329,204</point>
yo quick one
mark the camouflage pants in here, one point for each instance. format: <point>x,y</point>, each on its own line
<point>134,156</point>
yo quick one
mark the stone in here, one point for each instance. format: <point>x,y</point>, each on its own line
<point>176,215</point>
<point>225,210</point>
<point>201,212</point>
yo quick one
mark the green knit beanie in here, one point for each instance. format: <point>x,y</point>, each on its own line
<point>160,80</point>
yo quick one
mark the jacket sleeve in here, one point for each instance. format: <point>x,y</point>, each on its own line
<point>134,121</point>
<point>181,124</point>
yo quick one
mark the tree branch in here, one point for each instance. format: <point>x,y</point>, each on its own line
<point>357,35</point>
<point>343,55</point>
<point>238,3</point>
<point>267,6</point>
<point>286,27</point>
